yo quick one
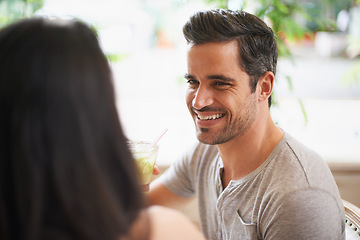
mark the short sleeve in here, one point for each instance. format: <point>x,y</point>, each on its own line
<point>180,177</point>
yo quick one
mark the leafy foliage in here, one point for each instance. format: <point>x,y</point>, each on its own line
<point>12,10</point>
<point>288,20</point>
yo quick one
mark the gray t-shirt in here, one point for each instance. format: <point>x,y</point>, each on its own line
<point>292,195</point>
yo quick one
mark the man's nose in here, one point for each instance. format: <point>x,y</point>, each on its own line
<point>203,97</point>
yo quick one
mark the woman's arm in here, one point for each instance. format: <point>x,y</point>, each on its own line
<point>170,224</point>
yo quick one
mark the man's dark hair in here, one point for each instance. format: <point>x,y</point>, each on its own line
<point>256,41</point>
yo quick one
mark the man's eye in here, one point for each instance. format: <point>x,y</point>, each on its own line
<point>192,82</point>
<point>222,84</point>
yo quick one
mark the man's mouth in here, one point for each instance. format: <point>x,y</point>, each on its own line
<point>210,117</point>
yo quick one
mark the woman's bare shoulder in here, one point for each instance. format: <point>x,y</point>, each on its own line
<point>170,224</point>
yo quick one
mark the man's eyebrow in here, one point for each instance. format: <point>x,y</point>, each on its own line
<point>188,76</point>
<point>221,77</point>
<point>214,77</point>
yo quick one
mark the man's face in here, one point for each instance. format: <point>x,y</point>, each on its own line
<point>219,97</point>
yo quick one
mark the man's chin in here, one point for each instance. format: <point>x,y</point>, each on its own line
<point>205,139</point>
<point>207,142</point>
<point>205,136</point>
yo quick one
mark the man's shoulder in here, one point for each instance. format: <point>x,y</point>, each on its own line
<point>294,155</point>
<point>300,168</point>
<point>310,162</point>
<point>299,149</point>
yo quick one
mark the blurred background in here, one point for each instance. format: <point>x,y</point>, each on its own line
<point>317,90</point>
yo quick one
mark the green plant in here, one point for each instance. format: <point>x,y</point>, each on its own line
<point>284,17</point>
<point>12,10</point>
<point>352,76</point>
<point>288,19</point>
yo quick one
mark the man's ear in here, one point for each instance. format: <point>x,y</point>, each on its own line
<point>265,86</point>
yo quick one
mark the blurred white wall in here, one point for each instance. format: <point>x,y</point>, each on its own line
<point>151,91</point>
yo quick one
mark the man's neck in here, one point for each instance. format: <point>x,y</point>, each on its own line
<point>245,153</point>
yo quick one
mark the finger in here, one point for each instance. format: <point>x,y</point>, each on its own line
<point>156,170</point>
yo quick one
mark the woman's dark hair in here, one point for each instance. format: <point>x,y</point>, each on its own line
<point>256,41</point>
<point>65,168</point>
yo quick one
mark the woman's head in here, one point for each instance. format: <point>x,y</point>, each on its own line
<point>63,152</point>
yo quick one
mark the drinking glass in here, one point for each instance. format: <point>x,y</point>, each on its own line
<point>145,154</point>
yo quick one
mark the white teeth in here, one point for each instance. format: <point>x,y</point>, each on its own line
<point>211,117</point>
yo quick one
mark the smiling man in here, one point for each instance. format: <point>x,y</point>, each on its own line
<point>219,96</point>
<point>252,180</point>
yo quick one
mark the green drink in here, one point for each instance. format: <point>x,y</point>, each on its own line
<point>145,156</point>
